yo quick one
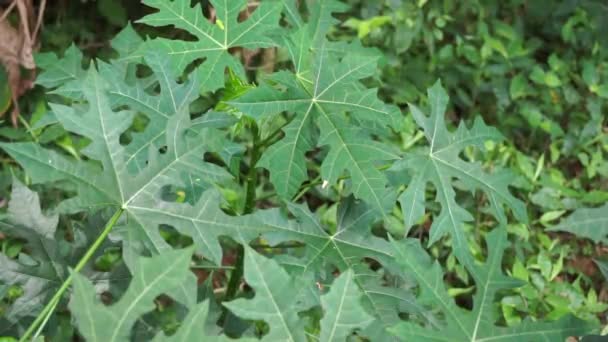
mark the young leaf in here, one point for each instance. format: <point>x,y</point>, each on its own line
<point>214,40</point>
<point>60,71</point>
<point>440,163</point>
<point>343,310</point>
<point>590,223</point>
<point>151,278</point>
<point>478,324</point>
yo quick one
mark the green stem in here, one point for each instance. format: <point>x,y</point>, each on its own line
<point>252,175</point>
<point>271,138</point>
<point>281,246</point>
<point>318,181</point>
<point>236,275</point>
<point>252,182</point>
<point>212,267</point>
<point>28,128</point>
<point>307,187</point>
<point>44,315</point>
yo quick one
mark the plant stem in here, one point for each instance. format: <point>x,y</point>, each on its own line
<point>252,175</point>
<point>44,315</point>
<point>212,267</point>
<point>281,246</point>
<point>318,181</point>
<point>252,182</point>
<point>28,128</point>
<point>236,275</point>
<point>271,138</point>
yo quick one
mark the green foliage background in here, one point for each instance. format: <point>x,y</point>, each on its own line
<point>327,187</point>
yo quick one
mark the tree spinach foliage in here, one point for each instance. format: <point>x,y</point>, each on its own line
<point>195,169</point>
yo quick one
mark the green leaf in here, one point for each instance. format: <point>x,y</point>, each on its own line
<point>551,216</point>
<point>324,87</point>
<point>537,119</point>
<point>151,278</point>
<point>45,267</point>
<point>602,91</point>
<point>343,309</point>
<point>59,72</point>
<point>478,324</point>
<point>26,220</point>
<point>213,41</point>
<point>519,87</point>
<point>589,223</point>
<point>276,302</point>
<point>364,27</point>
<point>321,19</point>
<point>169,152</point>
<point>347,248</point>
<point>275,298</point>
<point>440,163</point>
<point>192,327</point>
<point>603,266</point>
<point>552,80</point>
<point>126,43</point>
<point>590,74</point>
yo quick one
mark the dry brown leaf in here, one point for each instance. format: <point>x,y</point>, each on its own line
<point>17,46</point>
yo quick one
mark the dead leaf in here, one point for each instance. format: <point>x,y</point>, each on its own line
<point>17,46</point>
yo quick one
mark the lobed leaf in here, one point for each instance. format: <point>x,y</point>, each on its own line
<point>43,265</point>
<point>478,324</point>
<point>343,309</point>
<point>440,163</point>
<point>347,248</point>
<point>214,39</point>
<point>151,278</point>
<point>168,153</point>
<point>590,223</point>
<point>330,108</point>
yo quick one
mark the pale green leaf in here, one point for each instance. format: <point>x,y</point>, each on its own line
<point>49,254</point>
<point>192,328</point>
<point>589,223</point>
<point>343,309</point>
<point>59,71</point>
<point>274,300</point>
<point>151,278</point>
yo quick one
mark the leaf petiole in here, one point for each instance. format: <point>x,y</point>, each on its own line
<point>45,314</point>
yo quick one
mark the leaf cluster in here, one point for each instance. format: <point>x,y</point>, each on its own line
<point>283,210</point>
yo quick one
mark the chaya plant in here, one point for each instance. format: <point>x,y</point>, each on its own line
<point>161,170</point>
